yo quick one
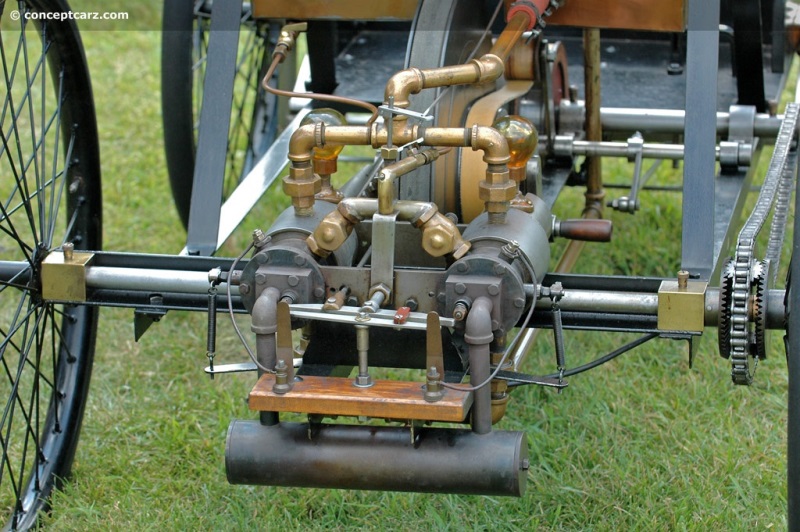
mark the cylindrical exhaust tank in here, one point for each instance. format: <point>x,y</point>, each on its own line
<point>377,458</point>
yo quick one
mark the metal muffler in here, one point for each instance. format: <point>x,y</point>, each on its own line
<point>377,458</point>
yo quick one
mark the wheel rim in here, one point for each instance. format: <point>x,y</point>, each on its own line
<point>49,194</point>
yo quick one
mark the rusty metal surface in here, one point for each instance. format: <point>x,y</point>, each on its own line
<point>336,9</point>
<point>377,458</point>
<point>623,14</point>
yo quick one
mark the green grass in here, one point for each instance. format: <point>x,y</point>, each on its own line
<point>641,443</point>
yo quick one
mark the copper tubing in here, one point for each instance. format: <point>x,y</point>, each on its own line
<point>278,58</point>
<point>484,69</point>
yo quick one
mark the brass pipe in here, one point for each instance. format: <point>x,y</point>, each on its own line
<point>514,29</point>
<point>483,138</point>
<point>484,69</point>
<point>497,190</point>
<point>386,196</point>
<point>440,235</point>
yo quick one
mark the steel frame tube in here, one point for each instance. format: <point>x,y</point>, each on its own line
<point>672,121</point>
<point>377,458</point>
<point>574,300</point>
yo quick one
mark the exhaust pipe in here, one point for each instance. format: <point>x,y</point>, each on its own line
<point>377,458</point>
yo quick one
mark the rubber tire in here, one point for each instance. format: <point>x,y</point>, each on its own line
<point>58,409</point>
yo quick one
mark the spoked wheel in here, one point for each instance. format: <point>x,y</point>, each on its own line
<point>49,195</point>
<point>255,116</point>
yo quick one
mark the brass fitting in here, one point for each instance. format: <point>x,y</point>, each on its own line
<point>301,184</point>
<point>287,38</point>
<point>493,144</point>
<point>486,68</point>
<point>330,234</point>
<point>497,190</point>
<point>386,196</point>
<point>500,399</point>
<point>440,236</point>
<point>302,143</point>
<point>402,85</point>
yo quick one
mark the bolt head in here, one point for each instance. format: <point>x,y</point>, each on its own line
<point>493,289</point>
<point>460,288</point>
<point>244,289</point>
<point>319,292</point>
<point>293,280</point>
<point>261,278</point>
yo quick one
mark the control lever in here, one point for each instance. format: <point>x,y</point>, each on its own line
<point>583,229</point>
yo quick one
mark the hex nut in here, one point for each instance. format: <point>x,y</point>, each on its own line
<point>502,192</point>
<point>390,153</point>
<point>296,189</point>
<point>315,248</point>
<point>437,241</point>
<point>382,288</point>
<point>304,173</point>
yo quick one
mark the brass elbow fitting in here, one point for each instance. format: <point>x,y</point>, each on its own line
<point>402,85</point>
<point>490,67</point>
<point>301,145</point>
<point>493,144</point>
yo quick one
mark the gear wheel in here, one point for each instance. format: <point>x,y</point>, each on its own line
<point>760,347</point>
<point>725,298</point>
<point>744,339</point>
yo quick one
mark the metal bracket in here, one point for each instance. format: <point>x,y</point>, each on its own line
<point>64,275</point>
<point>144,318</point>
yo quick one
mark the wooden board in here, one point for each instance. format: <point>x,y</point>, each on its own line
<point>337,396</point>
<point>336,9</point>
<point>652,15</point>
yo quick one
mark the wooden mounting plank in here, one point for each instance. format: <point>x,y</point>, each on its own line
<point>338,396</point>
<point>654,15</point>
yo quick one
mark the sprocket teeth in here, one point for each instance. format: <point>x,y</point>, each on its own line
<point>725,297</point>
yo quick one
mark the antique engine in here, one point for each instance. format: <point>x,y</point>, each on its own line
<point>435,256</point>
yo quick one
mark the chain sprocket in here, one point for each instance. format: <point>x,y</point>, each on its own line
<point>745,280</point>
